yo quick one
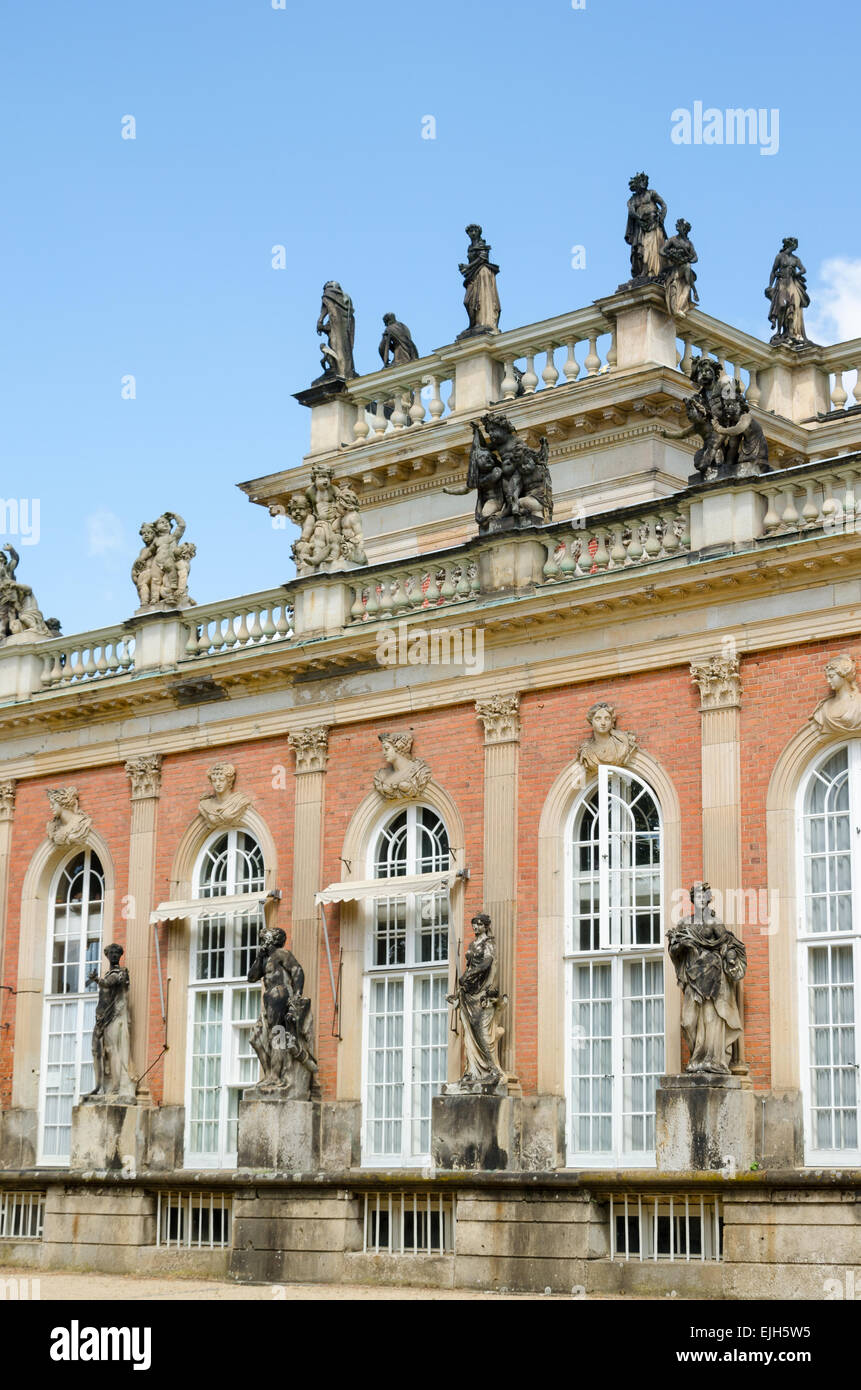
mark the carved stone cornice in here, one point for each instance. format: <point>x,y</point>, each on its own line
<point>311,747</point>
<point>719,682</point>
<point>144,773</point>
<point>500,716</point>
<point>7,799</point>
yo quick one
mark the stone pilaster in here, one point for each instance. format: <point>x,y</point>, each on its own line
<point>719,685</point>
<point>311,749</point>
<point>7,814</point>
<point>144,774</point>
<point>500,716</point>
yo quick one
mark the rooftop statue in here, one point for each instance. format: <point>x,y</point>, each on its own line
<point>787,294</point>
<point>709,963</point>
<point>511,481</point>
<point>397,341</point>
<point>479,1003</point>
<point>644,232</point>
<point>481,298</point>
<point>678,256</point>
<point>733,444</point>
<point>111,1039</point>
<point>160,572</point>
<point>338,322</point>
<point>19,612</point>
<point>327,514</point>
<point>283,1035</point>
<point>840,712</point>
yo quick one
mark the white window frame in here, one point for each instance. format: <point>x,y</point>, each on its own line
<point>228,987</point>
<point>410,971</point>
<point>806,939</point>
<point>617,956</point>
<point>82,1000</point>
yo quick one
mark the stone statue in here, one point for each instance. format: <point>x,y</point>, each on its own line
<point>111,1038</point>
<point>511,481</point>
<point>396,340</point>
<point>733,443</point>
<point>481,298</point>
<point>401,776</point>
<point>327,514</point>
<point>840,712</point>
<point>479,1004</point>
<point>283,1034</point>
<point>19,611</point>
<point>709,963</point>
<point>160,572</point>
<point>677,257</point>
<point>223,806</point>
<point>644,232</point>
<point>607,744</point>
<point>69,825</point>
<point>338,322</point>
<point>787,294</point>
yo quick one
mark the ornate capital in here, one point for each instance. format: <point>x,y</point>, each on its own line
<point>144,773</point>
<point>500,715</point>
<point>719,682</point>
<point>7,798</point>
<point>311,747</point>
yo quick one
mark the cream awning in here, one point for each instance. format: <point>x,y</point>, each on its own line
<point>192,908</point>
<point>361,890</point>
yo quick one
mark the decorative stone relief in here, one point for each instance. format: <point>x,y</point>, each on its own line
<point>327,514</point>
<point>719,682</point>
<point>479,1004</point>
<point>144,773</point>
<point>840,712</point>
<point>7,798</point>
<point>283,1034</point>
<point>311,747</point>
<point>607,744</point>
<point>223,806</point>
<point>160,572</point>
<point>401,777</point>
<point>69,825</point>
<point>111,1034</point>
<point>511,481</point>
<point>20,614</point>
<point>481,297</point>
<point>500,715</point>
<point>709,963</point>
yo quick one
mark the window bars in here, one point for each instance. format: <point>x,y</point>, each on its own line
<point>193,1220</point>
<point>681,1227</point>
<point>408,1223</point>
<point>22,1215</point>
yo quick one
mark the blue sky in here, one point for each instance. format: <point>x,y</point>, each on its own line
<point>302,127</point>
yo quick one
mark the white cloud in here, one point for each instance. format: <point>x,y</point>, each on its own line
<point>105,533</point>
<point>835,301</point>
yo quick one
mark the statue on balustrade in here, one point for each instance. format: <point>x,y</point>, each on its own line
<point>20,614</point>
<point>396,344</point>
<point>677,257</point>
<point>709,962</point>
<point>644,231</point>
<point>787,294</point>
<point>840,712</point>
<point>283,1035</point>
<point>733,443</point>
<point>337,321</point>
<point>111,1041</point>
<point>481,298</point>
<point>511,481</point>
<point>479,1004</point>
<point>160,572</point>
<point>327,514</point>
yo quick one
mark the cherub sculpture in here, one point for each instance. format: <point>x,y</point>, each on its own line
<point>160,572</point>
<point>511,481</point>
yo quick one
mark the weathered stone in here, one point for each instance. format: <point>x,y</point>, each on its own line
<point>108,1136</point>
<point>780,1129</point>
<point>279,1135</point>
<point>340,1135</point>
<point>18,1138</point>
<point>474,1131</point>
<point>704,1123</point>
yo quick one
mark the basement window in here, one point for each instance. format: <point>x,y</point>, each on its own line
<point>680,1227</point>
<point>22,1215</point>
<point>194,1220</point>
<point>408,1223</point>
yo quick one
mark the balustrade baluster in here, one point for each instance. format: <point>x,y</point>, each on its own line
<point>810,511</point>
<point>380,421</point>
<point>417,409</point>
<point>509,380</point>
<point>572,366</point>
<point>361,428</point>
<point>839,394</point>
<point>530,376</point>
<point>771,520</point>
<point>593,361</point>
<point>399,414</point>
<point>601,558</point>
<point>550,375</point>
<point>436,409</point>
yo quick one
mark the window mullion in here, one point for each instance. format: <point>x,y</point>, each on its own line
<point>603,858</point>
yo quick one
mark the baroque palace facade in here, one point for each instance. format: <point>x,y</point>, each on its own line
<point>563,723</point>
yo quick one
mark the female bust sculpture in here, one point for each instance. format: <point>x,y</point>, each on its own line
<point>607,743</point>
<point>840,712</point>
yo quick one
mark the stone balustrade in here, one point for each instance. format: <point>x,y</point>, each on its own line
<point>585,336</point>
<point>91,656</point>
<point>837,361</point>
<point>813,496</point>
<point>632,537</point>
<point>256,621</point>
<point>740,355</point>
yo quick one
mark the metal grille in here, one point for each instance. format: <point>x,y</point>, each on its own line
<point>408,1223</point>
<point>193,1220</point>
<point>22,1215</point>
<point>679,1227</point>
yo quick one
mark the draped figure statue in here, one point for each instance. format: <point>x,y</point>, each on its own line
<point>479,1003</point>
<point>709,962</point>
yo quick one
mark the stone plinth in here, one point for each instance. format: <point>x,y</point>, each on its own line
<point>474,1131</point>
<point>514,564</point>
<point>108,1136</point>
<point>278,1134</point>
<point>705,1123</point>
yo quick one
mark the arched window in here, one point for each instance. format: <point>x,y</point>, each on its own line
<point>830,955</point>
<point>614,973</point>
<point>73,966</point>
<point>406,982</point>
<point>223,1007</point>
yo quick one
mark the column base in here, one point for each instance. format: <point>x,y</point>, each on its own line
<point>705,1124</point>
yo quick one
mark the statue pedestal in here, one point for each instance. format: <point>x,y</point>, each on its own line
<point>279,1134</point>
<point>475,1130</point>
<point>109,1135</point>
<point>705,1124</point>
